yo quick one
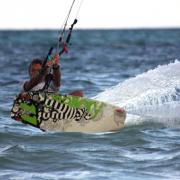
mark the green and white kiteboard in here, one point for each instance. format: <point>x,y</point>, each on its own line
<point>54,112</point>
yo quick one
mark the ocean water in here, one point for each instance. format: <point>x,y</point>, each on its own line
<point>135,69</point>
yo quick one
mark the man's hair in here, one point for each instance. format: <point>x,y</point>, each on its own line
<point>35,61</point>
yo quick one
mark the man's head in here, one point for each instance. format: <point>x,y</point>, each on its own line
<point>35,67</point>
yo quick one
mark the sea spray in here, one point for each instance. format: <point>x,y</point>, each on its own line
<point>153,95</point>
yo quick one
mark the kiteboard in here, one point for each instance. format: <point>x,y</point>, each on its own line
<point>54,112</point>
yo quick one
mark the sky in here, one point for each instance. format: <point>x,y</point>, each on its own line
<point>50,14</point>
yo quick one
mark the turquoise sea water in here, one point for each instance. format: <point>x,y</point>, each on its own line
<point>136,69</point>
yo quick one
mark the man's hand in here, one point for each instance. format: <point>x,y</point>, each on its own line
<point>54,61</point>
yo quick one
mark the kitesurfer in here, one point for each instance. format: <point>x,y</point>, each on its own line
<point>38,76</point>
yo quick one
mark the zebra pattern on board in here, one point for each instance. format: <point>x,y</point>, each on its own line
<point>53,110</point>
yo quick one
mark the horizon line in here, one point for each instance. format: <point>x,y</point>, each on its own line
<point>89,28</point>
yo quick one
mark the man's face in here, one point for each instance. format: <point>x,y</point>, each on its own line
<point>34,70</point>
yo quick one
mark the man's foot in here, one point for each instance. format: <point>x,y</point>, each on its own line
<point>77,93</point>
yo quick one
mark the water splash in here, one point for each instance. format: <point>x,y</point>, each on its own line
<point>152,95</point>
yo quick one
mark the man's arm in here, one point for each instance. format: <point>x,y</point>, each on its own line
<point>56,75</point>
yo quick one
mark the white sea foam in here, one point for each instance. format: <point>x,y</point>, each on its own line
<point>15,175</point>
<point>152,95</point>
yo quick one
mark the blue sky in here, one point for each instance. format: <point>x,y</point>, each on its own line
<point>39,14</point>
